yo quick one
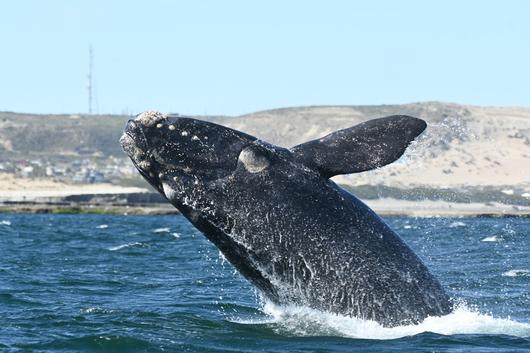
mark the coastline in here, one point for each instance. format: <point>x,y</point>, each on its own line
<point>44,196</point>
<point>87,208</point>
<point>435,208</point>
<point>153,204</point>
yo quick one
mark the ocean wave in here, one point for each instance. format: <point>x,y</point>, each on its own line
<point>517,273</point>
<point>125,246</point>
<point>304,321</point>
<point>98,343</point>
<point>491,239</point>
<point>457,224</point>
<point>5,222</point>
<point>9,298</point>
<point>96,310</point>
<point>161,230</point>
<point>102,226</point>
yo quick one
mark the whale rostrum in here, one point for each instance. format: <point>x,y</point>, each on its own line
<point>282,223</point>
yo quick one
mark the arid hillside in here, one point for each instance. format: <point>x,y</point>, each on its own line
<point>463,145</point>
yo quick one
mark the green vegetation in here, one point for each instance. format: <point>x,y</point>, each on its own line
<point>79,210</point>
<point>29,135</point>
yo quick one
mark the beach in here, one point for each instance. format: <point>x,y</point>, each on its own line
<point>23,195</point>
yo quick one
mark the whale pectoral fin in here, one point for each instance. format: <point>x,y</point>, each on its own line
<point>362,147</point>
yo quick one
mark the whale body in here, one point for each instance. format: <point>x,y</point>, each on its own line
<point>282,223</point>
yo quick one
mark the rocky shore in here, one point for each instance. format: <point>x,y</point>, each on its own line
<point>148,203</point>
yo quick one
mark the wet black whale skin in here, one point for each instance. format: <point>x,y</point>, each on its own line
<point>291,231</point>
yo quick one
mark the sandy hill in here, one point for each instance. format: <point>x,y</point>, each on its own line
<point>463,145</point>
<point>33,135</point>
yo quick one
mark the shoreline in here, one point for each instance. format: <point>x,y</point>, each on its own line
<point>108,209</point>
<point>383,207</point>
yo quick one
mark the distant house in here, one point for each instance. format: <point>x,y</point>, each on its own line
<point>26,171</point>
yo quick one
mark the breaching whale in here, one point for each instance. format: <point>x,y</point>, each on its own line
<point>278,218</point>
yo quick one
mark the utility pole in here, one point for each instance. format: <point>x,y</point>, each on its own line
<point>90,77</point>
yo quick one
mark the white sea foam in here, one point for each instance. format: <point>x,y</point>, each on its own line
<point>96,310</point>
<point>517,273</point>
<point>161,230</point>
<point>457,224</point>
<point>491,238</point>
<point>124,246</point>
<point>5,222</point>
<point>102,226</point>
<point>175,234</point>
<point>303,321</point>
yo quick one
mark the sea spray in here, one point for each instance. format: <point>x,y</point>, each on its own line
<point>304,321</point>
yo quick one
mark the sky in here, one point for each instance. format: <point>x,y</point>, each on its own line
<point>237,57</point>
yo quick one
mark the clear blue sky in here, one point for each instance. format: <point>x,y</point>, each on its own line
<point>234,57</point>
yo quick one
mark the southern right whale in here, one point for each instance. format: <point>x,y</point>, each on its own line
<point>285,226</point>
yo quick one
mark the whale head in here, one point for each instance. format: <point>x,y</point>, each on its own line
<point>178,155</point>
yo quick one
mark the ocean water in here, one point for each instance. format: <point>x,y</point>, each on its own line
<point>92,283</point>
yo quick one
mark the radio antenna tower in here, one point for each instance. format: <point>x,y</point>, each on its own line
<point>90,77</point>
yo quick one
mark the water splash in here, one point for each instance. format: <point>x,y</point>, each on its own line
<point>491,239</point>
<point>304,321</point>
<point>95,310</point>
<point>457,224</point>
<point>517,273</point>
<point>125,246</point>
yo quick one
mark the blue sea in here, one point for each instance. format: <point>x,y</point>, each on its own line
<point>101,283</point>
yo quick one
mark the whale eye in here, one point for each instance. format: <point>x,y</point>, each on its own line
<point>253,159</point>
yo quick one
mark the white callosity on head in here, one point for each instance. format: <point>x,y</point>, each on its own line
<point>144,165</point>
<point>150,118</point>
<point>129,145</point>
<point>169,191</point>
<point>253,161</point>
